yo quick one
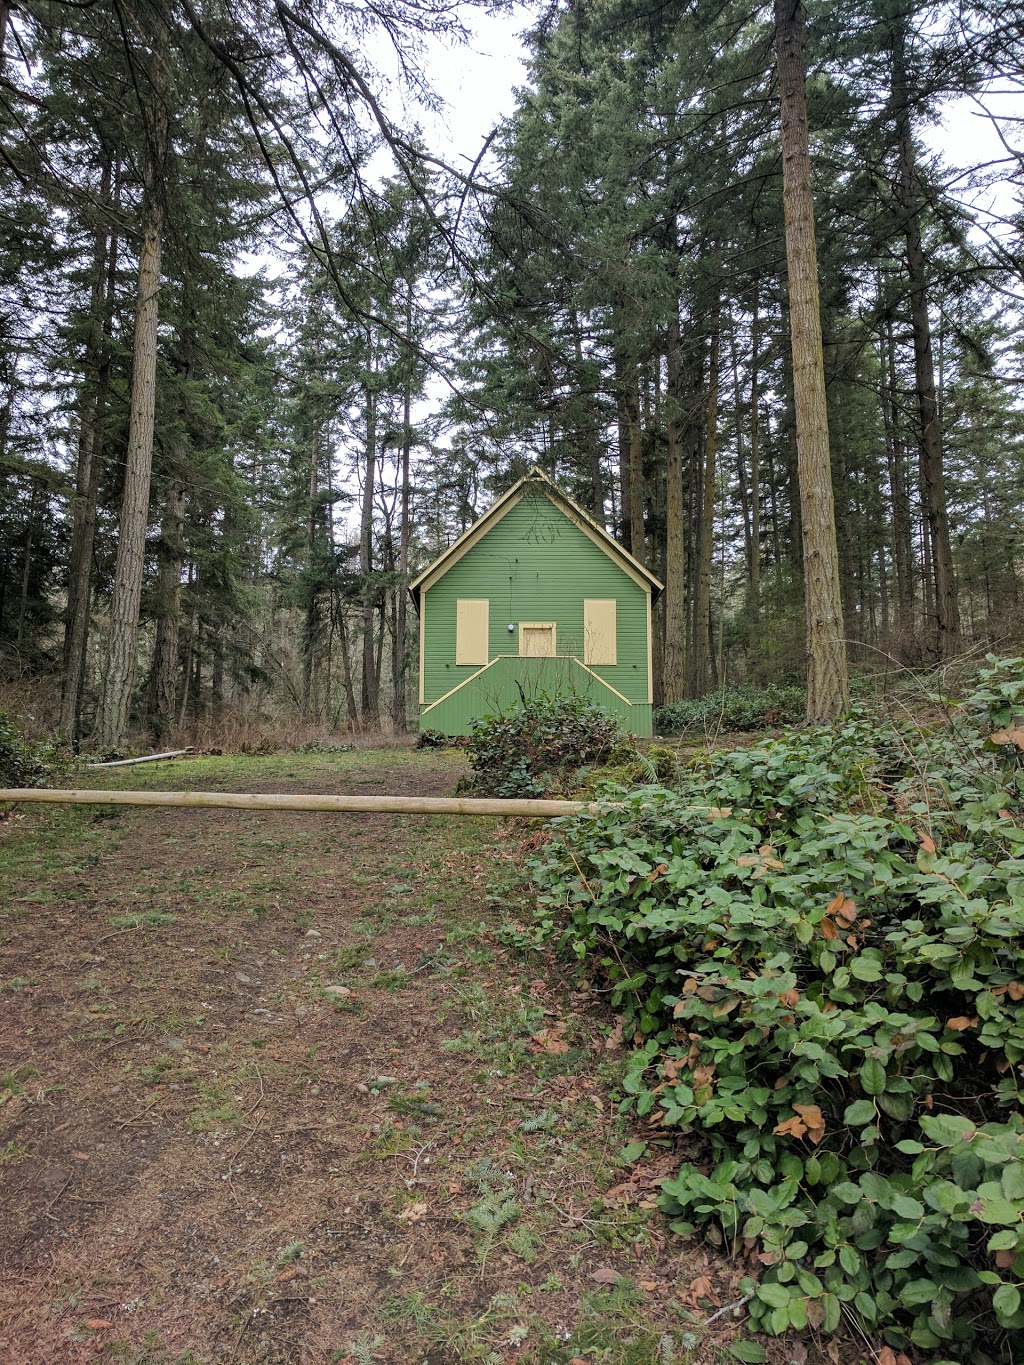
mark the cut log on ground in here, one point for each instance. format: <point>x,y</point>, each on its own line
<point>149,758</point>
<point>394,805</point>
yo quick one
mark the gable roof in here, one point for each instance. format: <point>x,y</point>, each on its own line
<point>536,479</point>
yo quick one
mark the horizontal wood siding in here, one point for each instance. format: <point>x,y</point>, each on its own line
<point>497,688</point>
<point>536,565</point>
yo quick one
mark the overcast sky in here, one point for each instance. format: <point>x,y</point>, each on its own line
<point>478,84</point>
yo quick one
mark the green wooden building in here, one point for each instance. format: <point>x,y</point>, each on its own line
<point>537,596</point>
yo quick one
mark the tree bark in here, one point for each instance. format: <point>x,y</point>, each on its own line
<point>828,692</point>
<point>623,433</point>
<point>674,643</point>
<point>91,440</point>
<point>161,691</point>
<point>755,460</point>
<point>400,679</point>
<point>902,547</point>
<point>700,680</point>
<point>348,682</point>
<point>309,631</point>
<point>947,614</point>
<point>636,466</point>
<point>370,695</point>
<point>121,662</point>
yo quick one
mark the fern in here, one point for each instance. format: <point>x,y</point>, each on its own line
<point>364,1348</point>
<point>495,1211</point>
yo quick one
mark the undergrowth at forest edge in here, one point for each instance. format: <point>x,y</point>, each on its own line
<point>22,763</point>
<point>737,708</point>
<point>815,943</point>
<point>540,745</point>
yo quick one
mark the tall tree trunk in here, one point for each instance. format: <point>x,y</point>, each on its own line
<point>636,466</point>
<point>162,687</point>
<point>589,434</point>
<point>370,695</point>
<point>91,440</point>
<point>309,631</point>
<point>217,677</point>
<point>947,615</point>
<point>755,458</point>
<point>400,670</point>
<point>702,651</point>
<point>828,692</point>
<point>674,647</point>
<point>186,672</point>
<point>26,561</point>
<point>121,662</point>
<point>902,547</point>
<point>348,682</point>
<point>624,428</point>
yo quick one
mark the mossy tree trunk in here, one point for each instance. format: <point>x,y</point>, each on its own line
<point>828,694</point>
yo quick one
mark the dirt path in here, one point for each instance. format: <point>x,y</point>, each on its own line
<point>275,1092</point>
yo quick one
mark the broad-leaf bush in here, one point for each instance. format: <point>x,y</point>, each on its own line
<point>817,945</point>
<point>539,746</point>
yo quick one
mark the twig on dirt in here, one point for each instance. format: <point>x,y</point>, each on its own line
<point>117,933</point>
<point>729,1307</point>
<point>259,1097</point>
<point>134,1118</point>
<point>58,1195</point>
<point>584,1222</point>
<point>248,1114</point>
<point>415,1159</point>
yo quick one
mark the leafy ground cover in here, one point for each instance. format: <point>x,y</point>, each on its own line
<point>273,1088</point>
<point>815,944</point>
<point>541,746</point>
<point>733,709</point>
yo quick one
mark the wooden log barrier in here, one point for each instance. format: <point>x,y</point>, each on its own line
<point>391,805</point>
<point>149,758</point>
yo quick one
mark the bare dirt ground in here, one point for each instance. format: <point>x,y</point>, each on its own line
<point>272,1089</point>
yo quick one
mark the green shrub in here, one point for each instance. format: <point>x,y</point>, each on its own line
<point>22,763</point>
<point>816,943</point>
<point>539,746</point>
<point>437,739</point>
<point>741,708</point>
<point>630,765</point>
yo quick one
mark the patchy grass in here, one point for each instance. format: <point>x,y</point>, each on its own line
<point>278,1089</point>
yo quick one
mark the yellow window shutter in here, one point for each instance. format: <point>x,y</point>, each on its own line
<point>599,640</point>
<point>471,630</point>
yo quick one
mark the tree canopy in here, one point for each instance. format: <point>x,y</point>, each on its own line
<point>264,351</point>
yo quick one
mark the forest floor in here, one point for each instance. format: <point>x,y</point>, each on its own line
<point>275,1089</point>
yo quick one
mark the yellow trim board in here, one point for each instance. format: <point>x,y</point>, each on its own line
<point>423,648</point>
<point>466,541</point>
<point>650,650</point>
<point>497,659</point>
<point>458,686</point>
<point>603,681</point>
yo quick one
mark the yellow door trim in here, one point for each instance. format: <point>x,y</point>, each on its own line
<point>539,625</point>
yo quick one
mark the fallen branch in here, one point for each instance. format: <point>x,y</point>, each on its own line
<point>729,1308</point>
<point>150,758</point>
